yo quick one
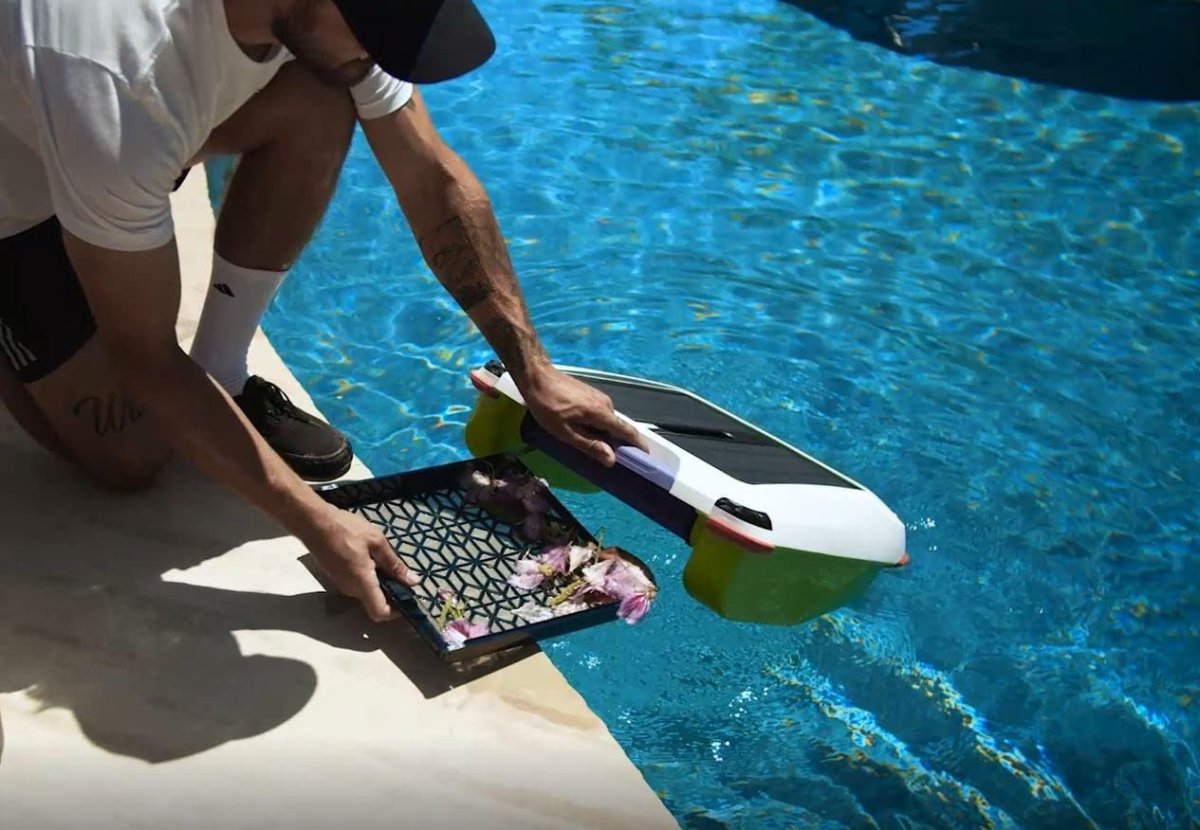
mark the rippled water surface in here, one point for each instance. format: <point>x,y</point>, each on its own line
<point>975,295</point>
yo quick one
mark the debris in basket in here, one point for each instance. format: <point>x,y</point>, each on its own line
<point>533,612</point>
<point>607,577</point>
<point>459,631</point>
<point>453,624</point>
<point>512,496</point>
<point>582,575</point>
<point>556,559</point>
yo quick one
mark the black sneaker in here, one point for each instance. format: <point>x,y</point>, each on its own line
<point>311,447</point>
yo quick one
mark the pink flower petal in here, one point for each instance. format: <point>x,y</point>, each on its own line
<point>635,576</point>
<point>598,573</point>
<point>555,557</point>
<point>625,579</point>
<point>527,576</point>
<point>457,632</point>
<point>588,593</point>
<point>633,607</point>
<point>608,577</point>
<point>534,613</point>
<point>578,555</point>
<point>568,607</point>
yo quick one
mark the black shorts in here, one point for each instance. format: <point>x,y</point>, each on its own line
<point>44,316</point>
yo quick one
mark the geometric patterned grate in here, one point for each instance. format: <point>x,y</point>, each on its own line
<point>459,547</point>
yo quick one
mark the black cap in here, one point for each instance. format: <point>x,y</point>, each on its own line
<point>423,41</point>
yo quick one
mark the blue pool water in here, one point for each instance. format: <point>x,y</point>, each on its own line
<point>977,296</point>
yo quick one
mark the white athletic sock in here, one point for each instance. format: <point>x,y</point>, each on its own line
<point>237,298</point>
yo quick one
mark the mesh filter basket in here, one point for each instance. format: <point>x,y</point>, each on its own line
<point>459,547</point>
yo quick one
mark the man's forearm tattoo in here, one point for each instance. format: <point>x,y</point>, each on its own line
<point>455,259</point>
<point>471,262</point>
<point>109,414</point>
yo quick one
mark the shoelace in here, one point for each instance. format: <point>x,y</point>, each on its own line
<point>276,402</point>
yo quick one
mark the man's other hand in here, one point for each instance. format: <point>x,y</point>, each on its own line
<point>578,414</point>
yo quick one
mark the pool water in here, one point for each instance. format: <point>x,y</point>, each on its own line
<point>975,295</point>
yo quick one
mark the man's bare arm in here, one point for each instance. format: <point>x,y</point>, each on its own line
<point>135,300</point>
<point>453,222</point>
<point>452,219</point>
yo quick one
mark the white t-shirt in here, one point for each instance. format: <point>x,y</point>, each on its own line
<point>103,102</point>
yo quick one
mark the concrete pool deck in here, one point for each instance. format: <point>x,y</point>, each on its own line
<point>169,660</point>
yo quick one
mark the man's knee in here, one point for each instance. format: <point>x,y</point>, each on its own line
<point>295,111</point>
<point>130,474</point>
<point>314,112</point>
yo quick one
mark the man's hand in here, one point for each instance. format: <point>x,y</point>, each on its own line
<point>578,414</point>
<point>349,548</point>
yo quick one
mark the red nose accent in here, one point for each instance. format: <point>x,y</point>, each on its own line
<point>747,542</point>
<point>482,385</point>
<point>903,560</point>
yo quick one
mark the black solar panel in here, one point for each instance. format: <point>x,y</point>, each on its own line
<point>710,434</point>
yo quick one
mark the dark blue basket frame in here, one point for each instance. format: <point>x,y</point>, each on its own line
<point>456,545</point>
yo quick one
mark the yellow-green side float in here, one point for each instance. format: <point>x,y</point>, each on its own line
<point>777,537</point>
